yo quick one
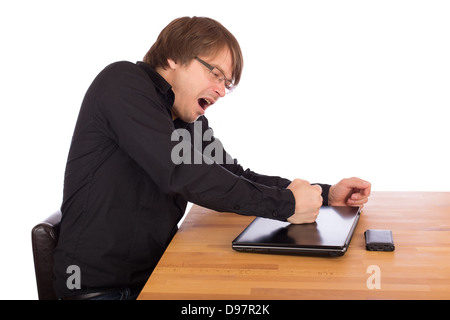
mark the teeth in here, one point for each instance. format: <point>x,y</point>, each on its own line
<point>207,101</point>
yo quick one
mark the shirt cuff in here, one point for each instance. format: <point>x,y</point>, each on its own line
<point>279,208</point>
<point>325,192</point>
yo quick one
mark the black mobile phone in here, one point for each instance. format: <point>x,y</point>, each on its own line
<point>379,240</point>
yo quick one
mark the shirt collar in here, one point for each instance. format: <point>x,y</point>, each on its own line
<point>160,83</point>
<point>164,88</point>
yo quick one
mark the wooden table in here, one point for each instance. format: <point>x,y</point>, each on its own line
<point>200,263</point>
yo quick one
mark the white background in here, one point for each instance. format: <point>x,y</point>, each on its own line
<point>330,89</point>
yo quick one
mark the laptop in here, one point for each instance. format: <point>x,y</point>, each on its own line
<point>329,235</point>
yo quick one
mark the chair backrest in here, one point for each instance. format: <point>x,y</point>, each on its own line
<point>44,238</point>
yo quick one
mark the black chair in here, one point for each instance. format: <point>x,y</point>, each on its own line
<point>44,238</point>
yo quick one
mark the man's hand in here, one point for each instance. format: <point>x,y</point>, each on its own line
<point>308,200</point>
<point>352,192</point>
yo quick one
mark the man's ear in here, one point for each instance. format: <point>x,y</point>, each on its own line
<point>172,64</point>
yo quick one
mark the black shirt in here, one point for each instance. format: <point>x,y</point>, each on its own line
<point>123,192</point>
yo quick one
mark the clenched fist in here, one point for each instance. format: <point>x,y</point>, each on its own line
<point>308,200</point>
<point>349,192</point>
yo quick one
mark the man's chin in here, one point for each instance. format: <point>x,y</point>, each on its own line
<point>186,117</point>
<point>192,118</point>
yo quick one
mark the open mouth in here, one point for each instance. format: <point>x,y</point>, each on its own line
<point>205,103</point>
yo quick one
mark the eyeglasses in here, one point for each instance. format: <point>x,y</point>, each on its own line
<point>218,75</point>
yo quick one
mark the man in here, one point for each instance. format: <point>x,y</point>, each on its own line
<point>125,190</point>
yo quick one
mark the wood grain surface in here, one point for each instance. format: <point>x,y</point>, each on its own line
<point>200,263</point>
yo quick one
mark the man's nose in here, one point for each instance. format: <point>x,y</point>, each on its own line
<point>220,89</point>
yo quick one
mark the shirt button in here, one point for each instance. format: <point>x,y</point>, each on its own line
<point>236,207</point>
<point>275,213</point>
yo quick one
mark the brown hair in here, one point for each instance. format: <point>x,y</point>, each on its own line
<point>186,38</point>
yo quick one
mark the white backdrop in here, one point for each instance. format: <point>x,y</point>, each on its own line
<point>330,89</point>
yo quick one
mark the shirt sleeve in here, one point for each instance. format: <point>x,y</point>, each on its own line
<point>232,165</point>
<point>129,110</point>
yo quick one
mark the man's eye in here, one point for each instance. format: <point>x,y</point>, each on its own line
<point>215,73</point>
